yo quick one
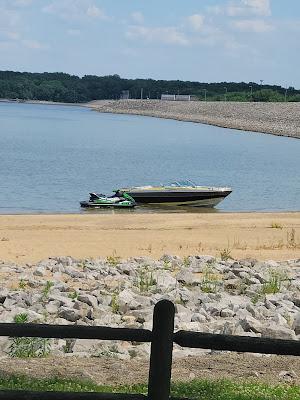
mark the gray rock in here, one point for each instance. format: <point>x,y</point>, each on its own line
<point>70,314</point>
<point>3,294</point>
<point>39,271</point>
<point>74,273</point>
<point>226,312</point>
<point>251,324</point>
<point>296,324</point>
<point>278,332</point>
<point>88,299</point>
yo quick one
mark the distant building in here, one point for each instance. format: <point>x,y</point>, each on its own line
<point>183,97</point>
<point>125,95</point>
<point>169,97</point>
<point>176,97</point>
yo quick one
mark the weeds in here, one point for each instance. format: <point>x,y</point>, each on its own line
<point>145,281</point>
<point>113,260</point>
<point>225,254</point>
<point>22,284</point>
<point>115,306</point>
<point>28,347</point>
<point>276,225</point>
<point>46,290</point>
<point>73,295</point>
<point>291,238</point>
<point>210,281</point>
<point>186,262</point>
<point>274,283</point>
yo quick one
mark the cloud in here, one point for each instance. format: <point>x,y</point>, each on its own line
<point>253,25</point>
<point>74,9</point>
<point>12,35</point>
<point>22,3</point>
<point>195,21</point>
<point>166,35</point>
<point>33,44</point>
<point>137,17</point>
<point>237,8</point>
<point>95,12</point>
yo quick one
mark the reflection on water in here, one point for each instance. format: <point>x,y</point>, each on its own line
<point>51,157</point>
<point>148,209</point>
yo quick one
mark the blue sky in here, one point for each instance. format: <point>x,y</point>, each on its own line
<point>201,40</point>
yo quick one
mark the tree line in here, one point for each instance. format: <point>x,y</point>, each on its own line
<point>62,87</point>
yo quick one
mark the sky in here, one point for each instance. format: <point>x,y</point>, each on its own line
<point>197,40</point>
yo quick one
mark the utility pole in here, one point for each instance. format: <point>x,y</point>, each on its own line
<point>251,90</point>
<point>225,95</point>
<point>205,90</point>
<point>285,94</point>
<point>142,93</point>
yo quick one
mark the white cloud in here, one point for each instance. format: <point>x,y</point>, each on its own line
<point>167,35</point>
<point>33,44</point>
<point>137,17</point>
<point>214,10</point>
<point>95,12</point>
<point>22,3</point>
<point>195,21</point>
<point>74,9</point>
<point>253,25</point>
<point>12,35</point>
<point>236,8</point>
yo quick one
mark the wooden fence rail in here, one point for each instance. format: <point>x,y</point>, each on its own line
<point>161,337</point>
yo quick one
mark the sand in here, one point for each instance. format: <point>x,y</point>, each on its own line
<point>30,238</point>
<point>282,119</point>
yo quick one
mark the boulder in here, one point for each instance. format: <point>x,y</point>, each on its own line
<point>70,314</point>
<point>88,299</point>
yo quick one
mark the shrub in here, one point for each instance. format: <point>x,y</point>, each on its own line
<point>28,347</point>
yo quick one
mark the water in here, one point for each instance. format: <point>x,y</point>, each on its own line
<point>52,156</point>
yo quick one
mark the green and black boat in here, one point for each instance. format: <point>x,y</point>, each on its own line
<point>102,201</point>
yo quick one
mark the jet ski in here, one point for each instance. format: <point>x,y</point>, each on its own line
<point>98,200</point>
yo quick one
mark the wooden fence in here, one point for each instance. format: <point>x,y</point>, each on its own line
<point>161,337</point>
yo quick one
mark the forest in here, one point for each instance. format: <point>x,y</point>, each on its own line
<point>62,87</point>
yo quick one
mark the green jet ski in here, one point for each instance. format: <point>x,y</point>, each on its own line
<point>101,200</point>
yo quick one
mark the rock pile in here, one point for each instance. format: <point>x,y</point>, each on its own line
<point>244,297</point>
<point>276,118</point>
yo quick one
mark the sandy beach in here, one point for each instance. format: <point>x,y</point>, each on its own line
<point>282,119</point>
<point>264,236</point>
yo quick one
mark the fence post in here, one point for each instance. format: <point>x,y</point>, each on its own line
<point>161,351</point>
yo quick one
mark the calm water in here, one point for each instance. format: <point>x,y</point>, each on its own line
<point>52,156</point>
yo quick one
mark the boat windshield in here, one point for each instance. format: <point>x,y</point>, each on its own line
<point>182,184</point>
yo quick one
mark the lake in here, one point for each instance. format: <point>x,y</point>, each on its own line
<point>52,156</point>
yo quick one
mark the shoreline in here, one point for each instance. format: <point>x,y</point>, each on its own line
<point>264,236</point>
<point>279,119</point>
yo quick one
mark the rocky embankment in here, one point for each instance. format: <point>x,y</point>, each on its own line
<point>281,119</point>
<point>245,297</point>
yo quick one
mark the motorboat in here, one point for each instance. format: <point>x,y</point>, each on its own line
<point>116,201</point>
<point>179,193</point>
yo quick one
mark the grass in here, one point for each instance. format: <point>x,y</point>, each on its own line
<point>194,390</point>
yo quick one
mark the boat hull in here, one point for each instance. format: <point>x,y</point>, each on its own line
<point>196,199</point>
<point>90,204</point>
